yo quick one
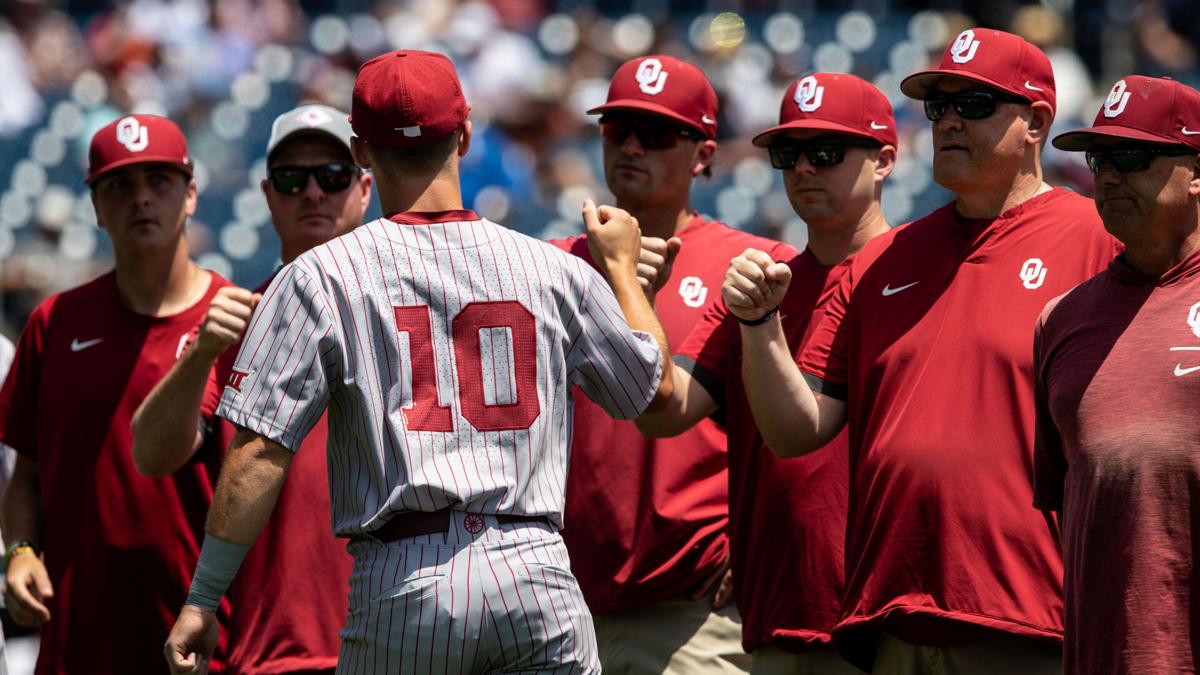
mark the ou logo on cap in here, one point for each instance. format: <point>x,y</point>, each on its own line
<point>1117,98</point>
<point>650,76</point>
<point>809,94</point>
<point>132,135</point>
<point>964,47</point>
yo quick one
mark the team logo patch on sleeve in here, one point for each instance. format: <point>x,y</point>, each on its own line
<point>236,378</point>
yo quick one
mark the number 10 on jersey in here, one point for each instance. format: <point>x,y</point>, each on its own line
<point>427,413</point>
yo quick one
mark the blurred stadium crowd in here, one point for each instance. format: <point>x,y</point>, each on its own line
<point>223,69</point>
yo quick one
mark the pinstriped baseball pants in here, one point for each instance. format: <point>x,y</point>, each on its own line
<point>501,599</point>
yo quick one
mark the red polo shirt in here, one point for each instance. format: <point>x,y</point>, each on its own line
<point>646,519</point>
<point>1118,378</point>
<point>929,341</point>
<point>119,547</point>
<point>787,517</point>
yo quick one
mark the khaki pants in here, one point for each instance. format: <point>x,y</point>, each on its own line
<point>677,637</point>
<point>1001,655</point>
<point>776,661</point>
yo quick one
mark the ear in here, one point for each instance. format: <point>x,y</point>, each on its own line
<point>464,141</point>
<point>265,186</point>
<point>1040,118</point>
<point>360,152</point>
<point>364,183</point>
<point>703,156</point>
<point>885,163</point>
<point>190,202</point>
<point>96,210</point>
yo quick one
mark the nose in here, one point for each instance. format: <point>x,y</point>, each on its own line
<point>313,191</point>
<point>631,146</point>
<point>949,121</point>
<point>1106,174</point>
<point>803,166</point>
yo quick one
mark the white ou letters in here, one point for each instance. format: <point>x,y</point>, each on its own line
<point>1033,273</point>
<point>693,292</point>
<point>1117,98</point>
<point>809,94</point>
<point>650,76</point>
<point>964,47</point>
<point>132,135</point>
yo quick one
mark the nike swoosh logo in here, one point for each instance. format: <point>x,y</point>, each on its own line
<point>77,346</point>
<point>887,290</point>
<point>1180,371</point>
<point>707,120</point>
<point>1188,132</point>
<point>877,127</point>
<point>1031,87</point>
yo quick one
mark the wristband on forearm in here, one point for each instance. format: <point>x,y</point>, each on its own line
<point>760,320</point>
<point>218,564</point>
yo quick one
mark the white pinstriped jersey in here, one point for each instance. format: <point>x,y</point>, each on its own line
<point>445,353</point>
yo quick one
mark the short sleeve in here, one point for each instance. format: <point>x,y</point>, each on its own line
<point>19,396</point>
<point>616,367</point>
<point>1049,459</point>
<point>279,384</point>
<point>706,351</point>
<point>823,360</point>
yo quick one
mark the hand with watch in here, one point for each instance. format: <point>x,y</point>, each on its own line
<point>754,287</point>
<point>28,584</point>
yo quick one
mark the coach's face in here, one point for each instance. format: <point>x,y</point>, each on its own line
<point>144,207</point>
<point>981,154</point>
<point>1147,207</point>
<point>830,195</point>
<point>649,160</point>
<point>314,213</point>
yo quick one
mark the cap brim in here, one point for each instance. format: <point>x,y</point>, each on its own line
<point>1082,139</point>
<point>186,168</point>
<point>636,105</point>
<point>920,85</point>
<point>310,131</point>
<point>763,139</point>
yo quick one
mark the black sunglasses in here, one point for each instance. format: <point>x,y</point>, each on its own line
<point>650,135</point>
<point>820,152</point>
<point>291,180</point>
<point>969,105</point>
<point>1135,158</point>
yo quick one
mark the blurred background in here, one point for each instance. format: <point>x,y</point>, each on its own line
<point>224,69</point>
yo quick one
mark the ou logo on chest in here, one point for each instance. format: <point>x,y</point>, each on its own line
<point>693,291</point>
<point>1033,273</point>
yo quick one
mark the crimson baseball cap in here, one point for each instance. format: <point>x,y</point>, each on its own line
<point>994,58</point>
<point>1147,109</point>
<point>836,102</point>
<point>664,85</point>
<point>136,139</point>
<point>407,98</point>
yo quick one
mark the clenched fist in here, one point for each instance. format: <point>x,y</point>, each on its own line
<point>228,316</point>
<point>614,239</point>
<point>655,261</point>
<point>755,284</point>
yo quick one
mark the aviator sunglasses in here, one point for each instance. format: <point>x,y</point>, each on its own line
<point>291,180</point>
<point>1135,158</point>
<point>820,152</point>
<point>969,105</point>
<point>650,135</point>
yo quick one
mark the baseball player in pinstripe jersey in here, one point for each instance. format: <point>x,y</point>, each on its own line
<point>444,348</point>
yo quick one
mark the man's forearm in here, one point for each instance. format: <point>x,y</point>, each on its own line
<point>785,408</point>
<point>253,474</point>
<point>640,316</point>
<point>690,402</point>
<point>166,427</point>
<point>23,504</point>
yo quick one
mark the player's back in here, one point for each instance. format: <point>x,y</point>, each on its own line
<point>445,347</point>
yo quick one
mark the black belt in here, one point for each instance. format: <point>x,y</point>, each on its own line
<point>417,523</point>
